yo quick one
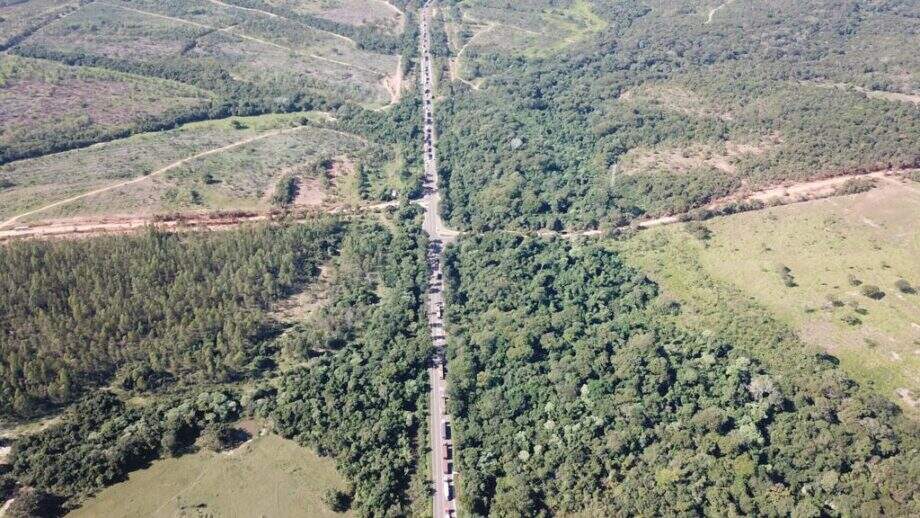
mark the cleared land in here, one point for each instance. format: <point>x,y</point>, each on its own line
<point>227,164</point>
<point>147,64</point>
<point>374,13</point>
<point>202,39</point>
<point>832,249</point>
<point>19,19</point>
<point>268,476</point>
<point>531,28</point>
<point>42,101</point>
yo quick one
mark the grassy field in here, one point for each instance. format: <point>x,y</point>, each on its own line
<point>238,177</point>
<point>828,246</point>
<point>269,476</point>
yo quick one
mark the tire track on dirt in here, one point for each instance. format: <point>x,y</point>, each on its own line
<point>158,172</point>
<point>713,11</point>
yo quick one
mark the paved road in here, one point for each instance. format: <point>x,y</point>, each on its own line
<point>443,476</point>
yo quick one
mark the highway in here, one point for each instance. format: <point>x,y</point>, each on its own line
<point>442,466</point>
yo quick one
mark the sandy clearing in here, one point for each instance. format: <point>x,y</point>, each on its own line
<point>913,98</point>
<point>202,221</point>
<point>160,171</point>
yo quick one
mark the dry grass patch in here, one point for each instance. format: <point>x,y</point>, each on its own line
<point>374,13</point>
<point>676,98</point>
<point>40,100</point>
<point>724,157</point>
<point>834,249</point>
<point>268,476</point>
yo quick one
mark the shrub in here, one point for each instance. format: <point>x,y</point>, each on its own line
<point>286,191</point>
<point>833,301</point>
<point>853,280</point>
<point>850,319</point>
<point>698,230</point>
<point>855,186</point>
<point>33,504</point>
<point>872,291</point>
<point>904,287</point>
<point>337,501</point>
<point>786,275</point>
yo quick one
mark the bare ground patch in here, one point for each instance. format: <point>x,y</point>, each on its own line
<point>29,102</point>
<point>723,157</point>
<point>676,98</point>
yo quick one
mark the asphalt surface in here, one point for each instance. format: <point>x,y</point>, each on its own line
<point>443,475</point>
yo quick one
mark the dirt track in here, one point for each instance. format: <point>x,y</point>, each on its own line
<point>788,194</point>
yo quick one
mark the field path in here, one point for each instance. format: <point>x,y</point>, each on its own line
<point>714,10</point>
<point>159,171</point>
<point>453,65</point>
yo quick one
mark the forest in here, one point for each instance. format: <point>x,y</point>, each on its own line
<point>362,395</point>
<point>206,349</point>
<point>179,307</point>
<point>540,143</point>
<point>573,391</point>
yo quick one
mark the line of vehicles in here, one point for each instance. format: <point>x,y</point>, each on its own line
<point>445,494</point>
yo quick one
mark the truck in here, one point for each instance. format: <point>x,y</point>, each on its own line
<point>448,493</point>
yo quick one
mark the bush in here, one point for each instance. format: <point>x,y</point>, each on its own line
<point>855,186</point>
<point>786,275</point>
<point>337,501</point>
<point>221,436</point>
<point>852,320</point>
<point>698,230</point>
<point>872,291</point>
<point>904,287</point>
<point>33,504</point>
<point>853,280</point>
